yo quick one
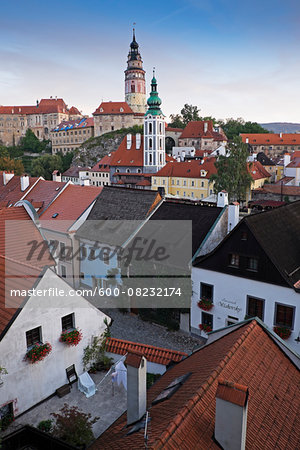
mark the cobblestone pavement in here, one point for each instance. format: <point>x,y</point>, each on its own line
<point>132,328</point>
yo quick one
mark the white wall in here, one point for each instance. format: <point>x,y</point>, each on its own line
<point>230,299</point>
<point>27,384</point>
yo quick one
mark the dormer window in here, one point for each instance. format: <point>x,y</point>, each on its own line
<point>121,110</point>
<point>101,109</point>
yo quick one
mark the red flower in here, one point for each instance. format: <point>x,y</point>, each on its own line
<point>72,337</point>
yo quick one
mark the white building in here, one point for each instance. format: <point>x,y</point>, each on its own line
<point>255,271</point>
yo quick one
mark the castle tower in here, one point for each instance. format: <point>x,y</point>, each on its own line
<point>135,91</point>
<point>154,132</point>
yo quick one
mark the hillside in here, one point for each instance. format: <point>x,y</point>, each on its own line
<point>95,148</point>
<point>282,127</point>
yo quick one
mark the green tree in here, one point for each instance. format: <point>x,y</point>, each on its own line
<point>232,171</point>
<point>176,121</point>
<point>30,143</point>
<point>66,159</point>
<point>45,165</point>
<point>233,127</point>
<point>9,164</point>
<point>187,114</point>
<point>74,426</point>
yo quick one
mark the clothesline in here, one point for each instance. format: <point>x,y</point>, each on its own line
<point>110,370</point>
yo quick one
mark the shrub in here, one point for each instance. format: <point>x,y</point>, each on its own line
<point>45,425</point>
<point>38,352</point>
<point>74,426</point>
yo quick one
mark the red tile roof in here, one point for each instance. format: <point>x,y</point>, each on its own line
<point>278,189</point>
<point>247,355</point>
<point>104,164</point>
<point>45,106</point>
<point>43,193</point>
<point>257,171</point>
<point>271,139</point>
<point>176,130</point>
<point>232,392</point>
<point>113,108</point>
<point>153,354</point>
<point>294,163</point>
<point>131,157</point>
<point>11,191</point>
<point>73,171</point>
<point>74,124</point>
<point>74,111</point>
<point>195,129</point>
<point>284,180</point>
<point>16,270</point>
<point>188,169</point>
<point>69,206</point>
<point>134,359</point>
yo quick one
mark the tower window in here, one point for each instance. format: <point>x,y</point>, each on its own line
<point>150,158</point>
<point>160,128</point>
<point>150,142</point>
<point>150,127</point>
<point>133,88</point>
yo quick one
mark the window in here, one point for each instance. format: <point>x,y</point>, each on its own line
<point>150,128</point>
<point>252,264</point>
<point>83,252</point>
<point>184,183</point>
<point>231,320</point>
<point>154,181</point>
<point>67,322</point>
<point>63,272</point>
<point>284,315</point>
<point>207,319</point>
<point>206,291</point>
<point>62,252</point>
<point>234,260</point>
<point>255,307</point>
<point>178,182</point>
<point>33,336</point>
<point>193,183</point>
<point>81,276</point>
<point>106,257</point>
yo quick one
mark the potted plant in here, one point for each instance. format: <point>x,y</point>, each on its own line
<point>204,327</point>
<point>282,332</point>
<point>71,337</point>
<point>205,303</point>
<point>38,352</point>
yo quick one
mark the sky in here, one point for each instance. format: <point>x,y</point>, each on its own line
<point>231,58</point>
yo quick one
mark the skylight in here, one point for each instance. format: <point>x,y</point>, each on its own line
<point>171,388</point>
<point>54,215</point>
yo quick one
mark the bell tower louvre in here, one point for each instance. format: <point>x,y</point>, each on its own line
<point>135,90</point>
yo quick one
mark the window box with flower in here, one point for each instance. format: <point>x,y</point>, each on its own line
<point>71,337</point>
<point>283,332</point>
<point>204,327</point>
<point>205,304</point>
<point>38,352</point>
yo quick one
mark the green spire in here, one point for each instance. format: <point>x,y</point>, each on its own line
<point>154,101</point>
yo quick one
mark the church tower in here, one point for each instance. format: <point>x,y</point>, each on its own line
<point>135,91</point>
<point>154,132</point>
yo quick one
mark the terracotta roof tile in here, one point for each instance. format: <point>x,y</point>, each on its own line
<point>271,139</point>
<point>113,108</point>
<point>188,169</point>
<point>134,359</point>
<point>104,164</point>
<point>43,193</point>
<point>232,392</point>
<point>249,357</point>
<point>257,170</point>
<point>69,206</point>
<point>11,191</point>
<point>129,157</point>
<point>195,129</point>
<point>153,354</point>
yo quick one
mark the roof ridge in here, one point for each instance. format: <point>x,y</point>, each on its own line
<point>190,404</point>
<point>145,345</point>
<point>22,263</point>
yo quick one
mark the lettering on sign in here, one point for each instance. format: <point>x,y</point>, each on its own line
<point>229,305</point>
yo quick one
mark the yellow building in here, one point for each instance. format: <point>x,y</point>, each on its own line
<point>189,179</point>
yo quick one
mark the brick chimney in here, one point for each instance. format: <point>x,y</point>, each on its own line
<point>56,176</point>
<point>7,176</point>
<point>24,180</point>
<point>231,415</point>
<point>222,199</point>
<point>233,215</point>
<point>136,387</point>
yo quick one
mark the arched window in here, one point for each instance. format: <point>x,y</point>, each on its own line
<point>160,129</point>
<point>150,158</point>
<point>150,142</point>
<point>127,170</point>
<point>150,127</point>
<point>160,144</point>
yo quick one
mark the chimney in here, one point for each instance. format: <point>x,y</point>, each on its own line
<point>138,141</point>
<point>7,176</point>
<point>56,176</point>
<point>86,182</point>
<point>183,155</point>
<point>247,140</point>
<point>129,138</point>
<point>136,387</point>
<point>205,126</point>
<point>24,179</point>
<point>193,152</point>
<point>280,135</point>
<point>233,215</point>
<point>222,199</point>
<point>231,415</point>
<point>286,159</point>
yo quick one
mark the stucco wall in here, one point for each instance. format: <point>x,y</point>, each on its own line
<point>27,384</point>
<point>230,299</point>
